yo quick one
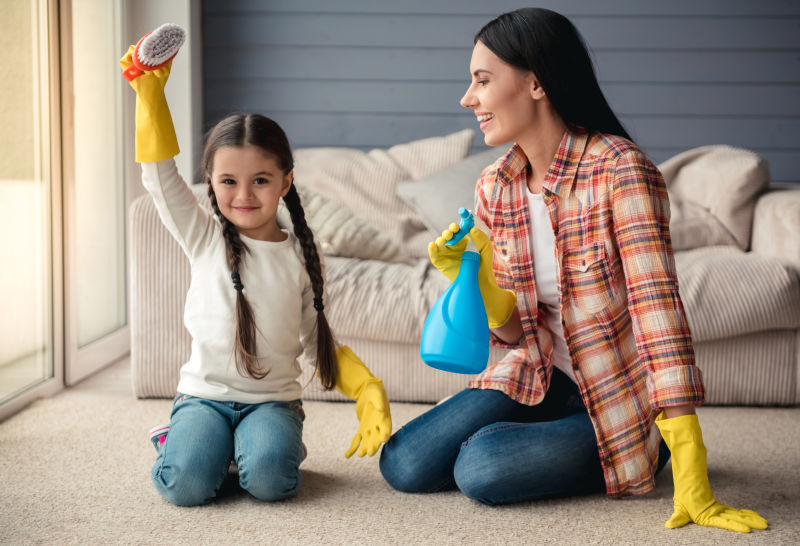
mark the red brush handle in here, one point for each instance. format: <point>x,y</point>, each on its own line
<point>131,73</point>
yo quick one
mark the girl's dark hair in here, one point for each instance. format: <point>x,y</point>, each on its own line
<point>240,130</point>
<point>548,44</point>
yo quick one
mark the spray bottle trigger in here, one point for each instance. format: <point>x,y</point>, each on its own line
<point>464,225</point>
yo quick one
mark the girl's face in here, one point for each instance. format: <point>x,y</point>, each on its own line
<point>248,184</point>
<point>503,97</point>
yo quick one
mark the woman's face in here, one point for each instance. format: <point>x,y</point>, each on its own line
<point>501,96</point>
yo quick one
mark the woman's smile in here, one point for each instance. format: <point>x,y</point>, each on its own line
<point>483,119</point>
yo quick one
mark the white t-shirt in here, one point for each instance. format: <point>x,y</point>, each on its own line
<point>543,247</point>
<point>276,285</point>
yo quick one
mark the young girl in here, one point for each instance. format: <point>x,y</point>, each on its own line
<point>585,293</point>
<point>255,303</point>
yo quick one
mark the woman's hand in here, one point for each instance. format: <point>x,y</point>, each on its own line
<point>693,498</point>
<point>447,259</point>
<point>499,303</point>
<point>155,132</point>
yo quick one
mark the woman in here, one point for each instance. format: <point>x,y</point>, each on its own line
<point>579,222</point>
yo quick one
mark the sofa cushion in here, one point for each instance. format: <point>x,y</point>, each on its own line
<point>438,196</point>
<point>776,225</point>
<point>364,182</point>
<point>340,232</point>
<point>727,292</point>
<point>712,191</point>
<point>382,301</point>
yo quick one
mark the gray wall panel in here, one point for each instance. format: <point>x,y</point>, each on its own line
<point>489,9</point>
<point>424,30</point>
<point>655,99</point>
<point>452,64</point>
<point>367,73</point>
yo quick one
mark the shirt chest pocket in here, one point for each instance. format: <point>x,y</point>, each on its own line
<point>588,277</point>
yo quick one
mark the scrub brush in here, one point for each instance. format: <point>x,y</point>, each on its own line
<point>155,49</point>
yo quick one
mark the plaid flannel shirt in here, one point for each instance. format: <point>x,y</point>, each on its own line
<point>622,317</point>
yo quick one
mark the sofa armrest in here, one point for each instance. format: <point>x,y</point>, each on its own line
<point>159,280</point>
<point>776,225</point>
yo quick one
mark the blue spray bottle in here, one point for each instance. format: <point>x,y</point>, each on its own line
<point>455,337</point>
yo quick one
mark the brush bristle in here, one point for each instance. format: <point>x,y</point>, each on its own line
<point>161,44</point>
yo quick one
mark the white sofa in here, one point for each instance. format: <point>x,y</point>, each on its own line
<point>737,254</point>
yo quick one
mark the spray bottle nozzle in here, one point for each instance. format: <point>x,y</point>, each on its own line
<point>464,225</point>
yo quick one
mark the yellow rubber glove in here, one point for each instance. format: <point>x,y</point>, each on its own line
<point>499,302</point>
<point>693,499</point>
<point>155,132</point>
<point>355,381</point>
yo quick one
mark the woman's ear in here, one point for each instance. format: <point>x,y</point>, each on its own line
<point>288,179</point>
<point>536,89</point>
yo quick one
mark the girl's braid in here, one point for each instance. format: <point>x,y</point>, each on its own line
<point>326,350</point>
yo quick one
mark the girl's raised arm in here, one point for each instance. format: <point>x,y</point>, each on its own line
<point>156,143</point>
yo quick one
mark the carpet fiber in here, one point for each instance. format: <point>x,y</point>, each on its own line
<point>75,469</point>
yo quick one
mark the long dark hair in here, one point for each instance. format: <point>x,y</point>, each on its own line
<point>255,130</point>
<point>548,44</point>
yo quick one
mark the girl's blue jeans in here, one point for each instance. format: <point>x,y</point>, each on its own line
<point>265,440</point>
<point>498,451</point>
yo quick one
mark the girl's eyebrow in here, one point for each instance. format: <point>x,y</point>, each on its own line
<point>480,70</point>
<point>259,173</point>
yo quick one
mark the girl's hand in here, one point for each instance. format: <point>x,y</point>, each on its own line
<point>155,132</point>
<point>356,382</point>
<point>375,421</point>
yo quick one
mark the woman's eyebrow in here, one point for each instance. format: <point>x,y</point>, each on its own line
<point>480,70</point>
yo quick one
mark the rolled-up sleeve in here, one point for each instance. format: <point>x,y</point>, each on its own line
<point>641,225</point>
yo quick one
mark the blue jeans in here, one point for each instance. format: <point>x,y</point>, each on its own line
<point>265,440</point>
<point>498,451</point>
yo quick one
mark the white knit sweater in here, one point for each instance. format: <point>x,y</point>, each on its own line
<point>276,285</point>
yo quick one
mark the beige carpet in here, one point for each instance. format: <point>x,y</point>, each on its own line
<point>74,469</point>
